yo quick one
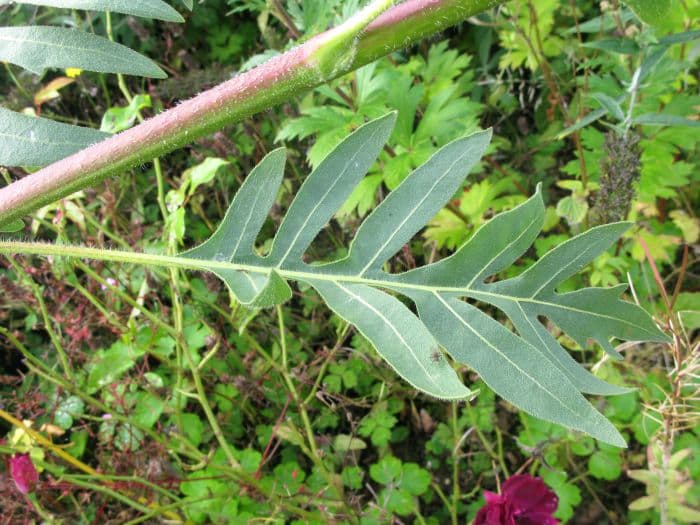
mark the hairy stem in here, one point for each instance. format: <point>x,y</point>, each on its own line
<point>362,39</point>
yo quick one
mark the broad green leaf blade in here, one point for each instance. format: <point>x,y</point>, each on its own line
<point>494,247</point>
<point>327,188</point>
<point>144,8</point>
<point>530,369</point>
<point>235,236</point>
<point>415,201</point>
<point>39,47</point>
<point>530,329</point>
<point>32,141</point>
<point>255,290</point>
<point>610,104</point>
<point>513,368</point>
<point>398,336</point>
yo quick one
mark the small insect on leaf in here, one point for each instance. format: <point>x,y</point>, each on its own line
<point>435,355</point>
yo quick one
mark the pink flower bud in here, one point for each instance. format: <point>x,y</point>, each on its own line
<point>23,473</point>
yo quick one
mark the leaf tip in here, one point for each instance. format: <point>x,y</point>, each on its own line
<point>277,152</point>
<point>616,440</point>
<point>158,73</point>
<point>391,116</point>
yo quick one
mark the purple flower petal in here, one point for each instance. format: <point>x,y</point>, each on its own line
<point>525,501</point>
<point>497,511</point>
<point>531,499</point>
<point>23,473</point>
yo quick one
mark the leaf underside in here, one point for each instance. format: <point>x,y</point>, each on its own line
<point>36,48</point>
<point>33,141</point>
<point>529,368</point>
<point>156,9</point>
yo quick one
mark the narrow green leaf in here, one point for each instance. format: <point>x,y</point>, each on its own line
<point>530,329</point>
<point>620,46</point>
<point>327,188</point>
<point>680,38</point>
<point>12,227</point>
<point>661,119</point>
<point>509,365</point>
<point>398,336</point>
<point>39,47</point>
<point>415,201</point>
<point>585,121</point>
<point>144,8</point>
<point>32,141</point>
<point>610,104</point>
<point>601,24</point>
<point>494,247</point>
<point>235,236</point>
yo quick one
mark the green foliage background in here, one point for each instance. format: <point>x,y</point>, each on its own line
<point>289,413</point>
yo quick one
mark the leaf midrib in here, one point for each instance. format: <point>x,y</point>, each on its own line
<point>148,259</point>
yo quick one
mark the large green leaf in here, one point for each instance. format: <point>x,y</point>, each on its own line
<point>144,8</point>
<point>32,141</point>
<point>530,369</point>
<point>39,47</point>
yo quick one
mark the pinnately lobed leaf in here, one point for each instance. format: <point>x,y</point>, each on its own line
<point>529,368</point>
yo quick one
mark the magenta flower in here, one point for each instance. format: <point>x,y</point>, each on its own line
<point>524,501</point>
<point>23,473</point>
